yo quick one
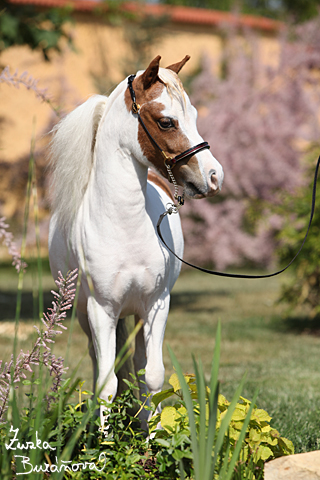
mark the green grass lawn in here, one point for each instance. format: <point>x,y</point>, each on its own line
<point>279,353</point>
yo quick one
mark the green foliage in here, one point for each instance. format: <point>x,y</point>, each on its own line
<point>201,425</point>
<point>236,435</point>
<point>113,12</point>
<point>296,10</point>
<point>41,30</point>
<point>69,434</point>
<point>214,4</point>
<point>304,289</point>
<point>262,442</point>
<point>301,10</point>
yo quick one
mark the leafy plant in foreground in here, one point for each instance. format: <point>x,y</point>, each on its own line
<point>236,436</point>
<point>202,436</point>
<point>124,445</point>
<point>78,447</point>
<point>210,453</point>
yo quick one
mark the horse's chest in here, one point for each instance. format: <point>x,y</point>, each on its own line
<point>135,292</point>
<point>131,279</point>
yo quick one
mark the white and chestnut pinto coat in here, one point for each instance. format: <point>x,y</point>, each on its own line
<point>105,211</point>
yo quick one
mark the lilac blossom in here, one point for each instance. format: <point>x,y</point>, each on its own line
<point>6,238</point>
<point>29,82</point>
<point>15,370</point>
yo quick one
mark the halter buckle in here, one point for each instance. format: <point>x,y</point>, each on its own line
<point>180,199</point>
<point>168,159</point>
<point>135,107</point>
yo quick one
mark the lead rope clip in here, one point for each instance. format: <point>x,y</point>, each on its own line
<point>174,207</point>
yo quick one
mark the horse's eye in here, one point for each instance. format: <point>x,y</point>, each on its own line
<point>165,123</point>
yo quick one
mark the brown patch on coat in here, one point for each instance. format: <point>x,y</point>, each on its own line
<point>176,67</point>
<point>154,178</point>
<point>143,96</point>
<point>172,141</point>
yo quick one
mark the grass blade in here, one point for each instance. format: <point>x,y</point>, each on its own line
<point>189,406</point>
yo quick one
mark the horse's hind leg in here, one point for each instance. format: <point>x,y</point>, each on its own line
<point>84,322</point>
<point>139,361</point>
<point>140,357</point>
<point>126,368</point>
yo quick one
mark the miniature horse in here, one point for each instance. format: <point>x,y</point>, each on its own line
<point>106,207</point>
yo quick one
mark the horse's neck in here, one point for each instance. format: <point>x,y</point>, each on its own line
<point>118,189</point>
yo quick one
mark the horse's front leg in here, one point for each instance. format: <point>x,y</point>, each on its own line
<point>103,329</point>
<point>84,322</point>
<point>148,352</point>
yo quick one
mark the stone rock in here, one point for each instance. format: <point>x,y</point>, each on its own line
<point>302,466</point>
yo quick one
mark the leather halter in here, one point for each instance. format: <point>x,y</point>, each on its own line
<point>169,161</point>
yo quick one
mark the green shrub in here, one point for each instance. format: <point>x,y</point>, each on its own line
<point>69,434</point>
<point>304,288</point>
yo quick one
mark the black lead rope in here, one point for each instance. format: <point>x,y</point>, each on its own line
<point>234,275</point>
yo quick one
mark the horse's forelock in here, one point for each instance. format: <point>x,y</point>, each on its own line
<point>173,84</point>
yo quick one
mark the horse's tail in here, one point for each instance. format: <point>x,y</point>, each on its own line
<point>71,157</point>
<point>127,367</point>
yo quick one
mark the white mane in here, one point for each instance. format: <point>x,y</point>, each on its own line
<point>71,156</point>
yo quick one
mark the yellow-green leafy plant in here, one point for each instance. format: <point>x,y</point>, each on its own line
<point>209,436</point>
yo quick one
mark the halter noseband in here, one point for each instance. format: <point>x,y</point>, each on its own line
<point>168,161</point>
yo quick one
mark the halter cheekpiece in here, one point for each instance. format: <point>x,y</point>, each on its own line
<point>169,162</point>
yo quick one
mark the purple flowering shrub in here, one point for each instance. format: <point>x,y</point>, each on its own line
<point>259,120</point>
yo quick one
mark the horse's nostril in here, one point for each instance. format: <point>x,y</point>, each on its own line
<point>214,180</point>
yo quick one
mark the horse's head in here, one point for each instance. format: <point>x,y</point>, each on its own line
<point>170,119</point>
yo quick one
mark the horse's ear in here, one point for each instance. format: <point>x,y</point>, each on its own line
<point>176,67</point>
<point>149,77</point>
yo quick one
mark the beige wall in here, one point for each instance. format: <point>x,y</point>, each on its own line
<point>68,77</point>
<point>102,51</point>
